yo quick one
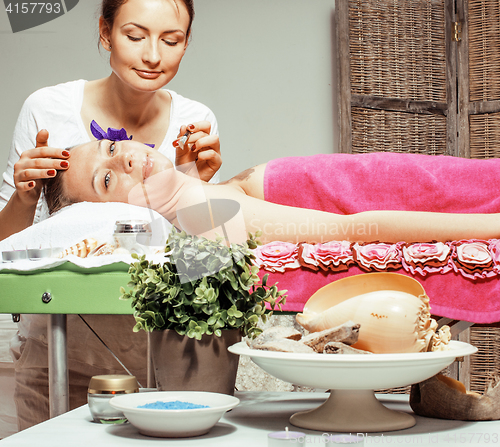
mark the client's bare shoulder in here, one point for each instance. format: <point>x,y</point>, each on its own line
<point>250,181</point>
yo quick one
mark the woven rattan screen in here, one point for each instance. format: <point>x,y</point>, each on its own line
<point>398,89</point>
<point>397,49</point>
<point>484,45</point>
<point>485,135</point>
<point>408,59</point>
<point>382,130</point>
<point>484,77</point>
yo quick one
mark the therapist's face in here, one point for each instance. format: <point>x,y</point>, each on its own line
<point>148,40</point>
<point>106,171</point>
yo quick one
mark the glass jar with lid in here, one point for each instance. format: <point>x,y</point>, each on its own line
<point>132,235</point>
<point>104,387</point>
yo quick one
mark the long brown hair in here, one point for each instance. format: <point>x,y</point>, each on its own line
<point>55,194</point>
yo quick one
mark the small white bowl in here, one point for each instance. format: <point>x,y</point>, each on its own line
<point>174,423</point>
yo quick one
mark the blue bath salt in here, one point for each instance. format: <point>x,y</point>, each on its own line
<point>174,405</point>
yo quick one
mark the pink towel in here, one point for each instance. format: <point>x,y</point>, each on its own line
<point>346,184</point>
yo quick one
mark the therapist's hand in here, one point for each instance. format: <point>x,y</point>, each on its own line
<point>38,164</point>
<point>202,148</point>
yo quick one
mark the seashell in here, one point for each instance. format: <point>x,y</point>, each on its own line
<point>81,249</point>
<point>393,311</point>
<point>346,333</point>
<point>285,345</point>
<point>275,333</point>
<point>337,347</point>
<point>441,339</point>
<point>103,249</point>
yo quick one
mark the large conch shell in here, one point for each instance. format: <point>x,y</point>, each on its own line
<point>392,309</point>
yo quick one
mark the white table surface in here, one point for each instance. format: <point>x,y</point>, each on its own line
<point>248,425</point>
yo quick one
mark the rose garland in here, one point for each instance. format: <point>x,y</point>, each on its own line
<point>473,259</point>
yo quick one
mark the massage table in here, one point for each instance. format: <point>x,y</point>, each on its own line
<point>57,292</point>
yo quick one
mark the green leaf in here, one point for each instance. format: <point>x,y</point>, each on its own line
<point>201,256</point>
<point>231,296</point>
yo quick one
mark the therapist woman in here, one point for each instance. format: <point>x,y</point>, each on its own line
<point>147,40</point>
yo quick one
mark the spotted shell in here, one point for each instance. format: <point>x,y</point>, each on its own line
<point>81,249</point>
<point>393,311</point>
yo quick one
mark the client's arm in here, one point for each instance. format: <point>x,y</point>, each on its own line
<point>284,223</point>
<point>197,207</point>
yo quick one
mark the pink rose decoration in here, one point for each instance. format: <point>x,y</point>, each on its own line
<point>335,255</point>
<point>377,256</point>
<point>494,246</point>
<point>426,258</point>
<point>474,253</point>
<point>277,256</point>
<point>473,259</point>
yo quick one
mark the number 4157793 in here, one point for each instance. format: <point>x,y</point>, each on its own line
<point>33,8</point>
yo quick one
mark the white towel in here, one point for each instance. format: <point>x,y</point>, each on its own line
<point>75,223</point>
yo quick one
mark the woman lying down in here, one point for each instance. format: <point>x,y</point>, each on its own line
<point>371,197</point>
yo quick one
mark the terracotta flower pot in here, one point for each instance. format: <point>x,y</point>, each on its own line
<point>183,363</point>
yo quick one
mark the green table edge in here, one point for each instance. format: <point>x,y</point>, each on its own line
<point>73,290</point>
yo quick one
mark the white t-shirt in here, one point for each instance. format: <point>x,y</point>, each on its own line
<point>57,109</point>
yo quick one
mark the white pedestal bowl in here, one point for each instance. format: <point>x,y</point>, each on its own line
<point>351,379</point>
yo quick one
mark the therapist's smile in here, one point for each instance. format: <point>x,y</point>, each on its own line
<point>148,74</point>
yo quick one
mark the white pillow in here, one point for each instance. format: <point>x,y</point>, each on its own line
<point>82,220</point>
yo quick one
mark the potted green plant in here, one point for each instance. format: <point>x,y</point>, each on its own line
<point>200,300</point>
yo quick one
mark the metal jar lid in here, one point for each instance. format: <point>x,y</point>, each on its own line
<point>132,226</point>
<point>113,384</point>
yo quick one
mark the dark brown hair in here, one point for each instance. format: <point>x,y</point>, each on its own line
<point>109,10</point>
<point>55,194</point>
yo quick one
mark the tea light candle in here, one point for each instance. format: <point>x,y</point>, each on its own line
<point>14,255</point>
<point>35,254</point>
<point>286,438</point>
<point>8,256</point>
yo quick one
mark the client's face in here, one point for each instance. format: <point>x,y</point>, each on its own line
<point>106,171</point>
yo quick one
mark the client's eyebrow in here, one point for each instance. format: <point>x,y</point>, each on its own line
<point>94,176</point>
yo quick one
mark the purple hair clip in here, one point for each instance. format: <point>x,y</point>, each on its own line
<point>111,134</point>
